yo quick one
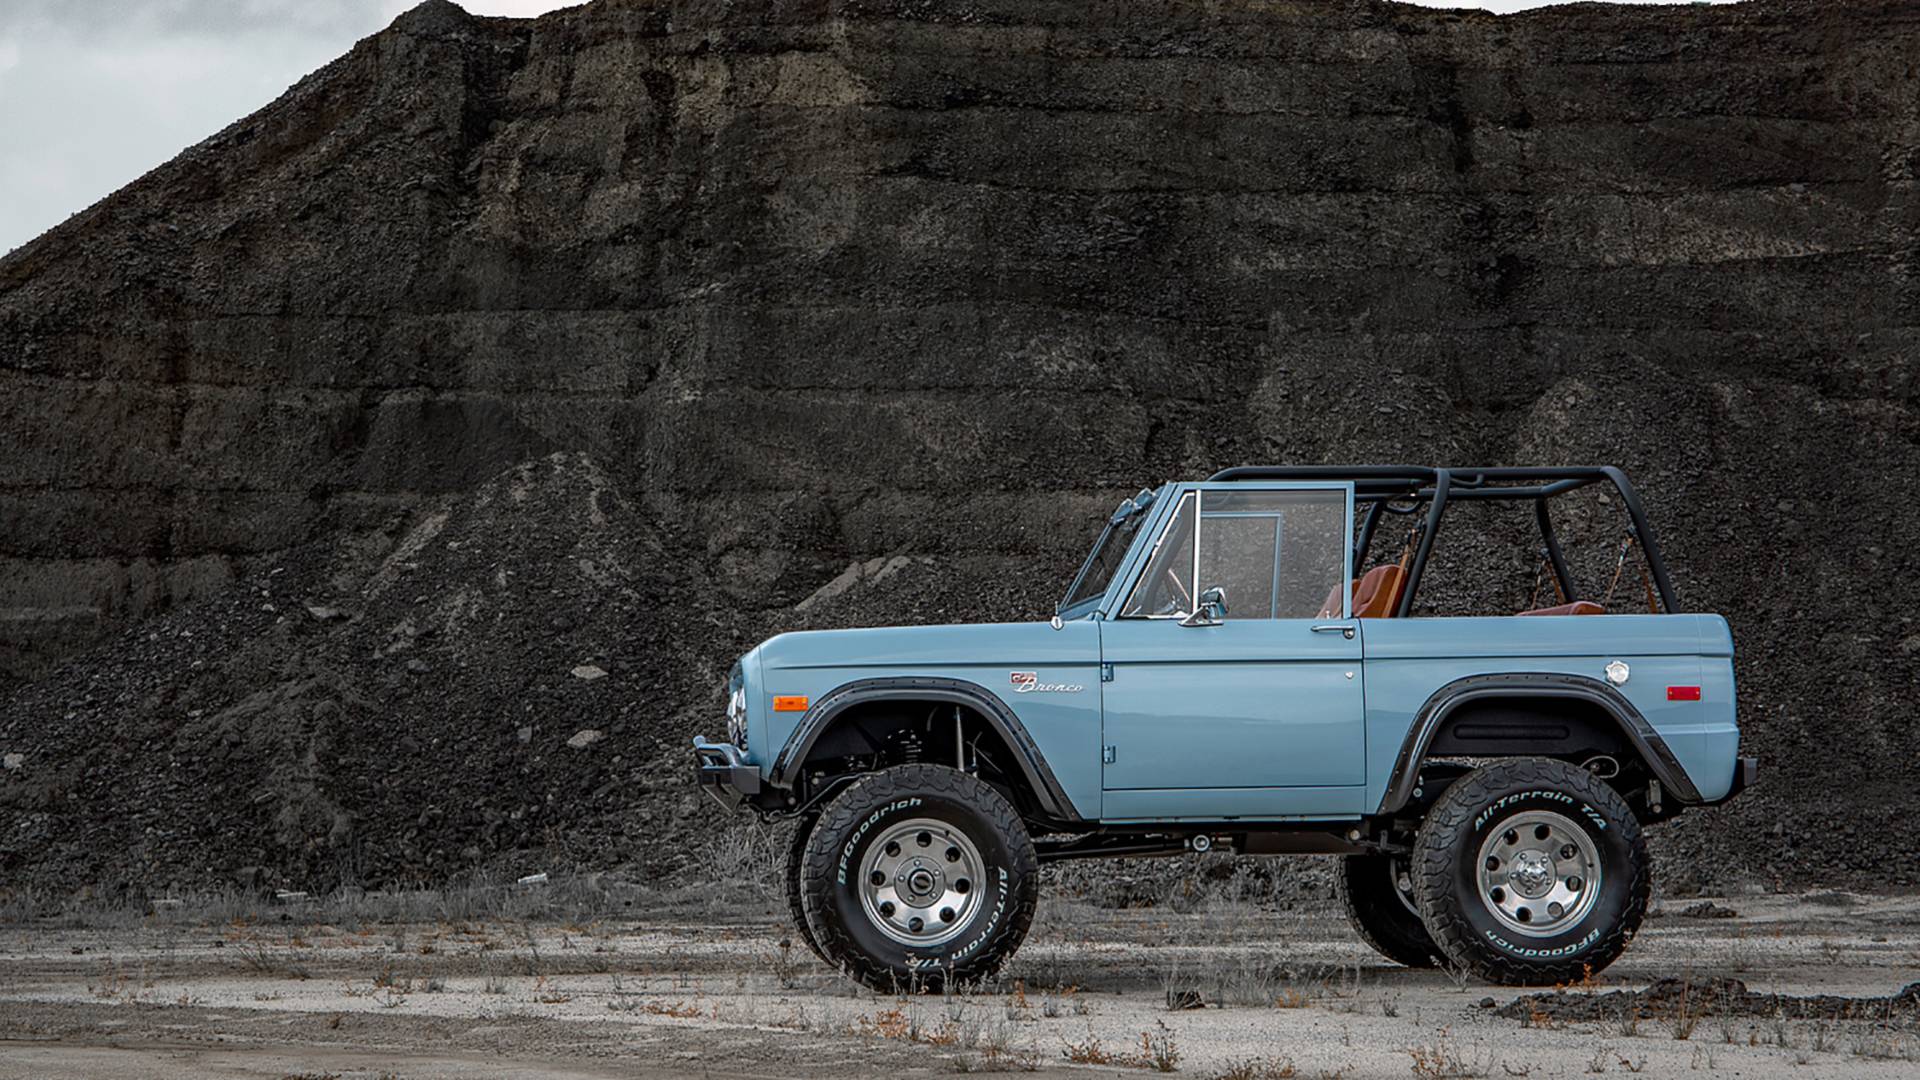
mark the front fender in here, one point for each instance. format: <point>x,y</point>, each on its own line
<point>820,716</point>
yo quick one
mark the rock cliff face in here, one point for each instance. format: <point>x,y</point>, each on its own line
<point>824,282</point>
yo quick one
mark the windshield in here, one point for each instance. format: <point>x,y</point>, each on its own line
<point>1112,547</point>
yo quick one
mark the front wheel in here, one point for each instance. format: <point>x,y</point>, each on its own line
<point>1531,872</point>
<point>918,876</point>
<point>796,851</point>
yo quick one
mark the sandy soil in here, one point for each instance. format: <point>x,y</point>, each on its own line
<point>177,995</point>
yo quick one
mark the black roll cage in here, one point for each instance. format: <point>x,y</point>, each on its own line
<point>1404,489</point>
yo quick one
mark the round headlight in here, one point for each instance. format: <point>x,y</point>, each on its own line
<point>737,717</point>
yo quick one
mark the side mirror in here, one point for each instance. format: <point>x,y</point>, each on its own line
<point>1212,610</point>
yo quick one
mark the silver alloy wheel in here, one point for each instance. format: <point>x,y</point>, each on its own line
<point>1539,873</point>
<point>920,882</point>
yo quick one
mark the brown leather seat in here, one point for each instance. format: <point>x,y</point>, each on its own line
<point>1376,594</point>
<point>1578,607</point>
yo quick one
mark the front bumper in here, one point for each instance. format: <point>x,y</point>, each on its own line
<point>722,769</point>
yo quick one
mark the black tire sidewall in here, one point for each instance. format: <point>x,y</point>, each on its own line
<point>1615,877</point>
<point>840,842</point>
<point>1374,904</point>
<point>796,906</point>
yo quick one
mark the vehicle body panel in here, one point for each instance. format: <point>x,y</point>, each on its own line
<point>1407,660</point>
<point>1251,717</point>
<point>1065,726</point>
<point>1202,708</point>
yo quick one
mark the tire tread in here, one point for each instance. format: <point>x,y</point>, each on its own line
<point>796,853</point>
<point>1366,924</point>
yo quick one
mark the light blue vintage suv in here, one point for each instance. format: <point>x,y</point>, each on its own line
<point>1233,668</point>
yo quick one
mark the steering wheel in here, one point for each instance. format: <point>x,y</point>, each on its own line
<point>1173,608</point>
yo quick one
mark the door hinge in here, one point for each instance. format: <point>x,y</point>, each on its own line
<point>1107,754</point>
<point>1106,672</point>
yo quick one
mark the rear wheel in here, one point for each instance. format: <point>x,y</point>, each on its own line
<point>918,876</point>
<point>1377,892</point>
<point>1531,871</point>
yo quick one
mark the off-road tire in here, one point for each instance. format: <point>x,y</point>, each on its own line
<point>1446,862</point>
<point>796,851</point>
<point>850,939</point>
<point>1378,913</point>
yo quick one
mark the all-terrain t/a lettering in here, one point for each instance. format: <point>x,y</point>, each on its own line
<point>1250,637</point>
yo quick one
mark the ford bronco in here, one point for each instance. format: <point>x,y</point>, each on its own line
<point>1235,669</point>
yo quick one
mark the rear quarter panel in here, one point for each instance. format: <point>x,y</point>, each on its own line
<point>1406,660</point>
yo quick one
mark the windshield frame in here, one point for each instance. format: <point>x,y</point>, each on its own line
<point>1138,509</point>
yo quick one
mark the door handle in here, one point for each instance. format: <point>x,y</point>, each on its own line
<point>1345,630</point>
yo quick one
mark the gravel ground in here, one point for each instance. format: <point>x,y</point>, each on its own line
<point>181,993</point>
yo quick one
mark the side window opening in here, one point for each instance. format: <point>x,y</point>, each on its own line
<point>1276,554</point>
<point>1240,552</point>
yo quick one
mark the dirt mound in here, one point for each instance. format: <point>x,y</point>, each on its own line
<point>502,680</point>
<point>1668,998</point>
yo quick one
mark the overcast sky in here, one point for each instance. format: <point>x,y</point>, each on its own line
<point>93,93</point>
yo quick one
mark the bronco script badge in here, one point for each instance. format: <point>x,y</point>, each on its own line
<point>1028,682</point>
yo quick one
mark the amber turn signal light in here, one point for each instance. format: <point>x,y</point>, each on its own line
<point>790,703</point>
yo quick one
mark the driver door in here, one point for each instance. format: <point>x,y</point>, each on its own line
<point>1256,714</point>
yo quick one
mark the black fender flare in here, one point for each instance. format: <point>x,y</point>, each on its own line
<point>1634,727</point>
<point>821,714</point>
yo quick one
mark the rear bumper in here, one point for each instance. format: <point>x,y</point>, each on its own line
<point>722,769</point>
<point>1746,773</point>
